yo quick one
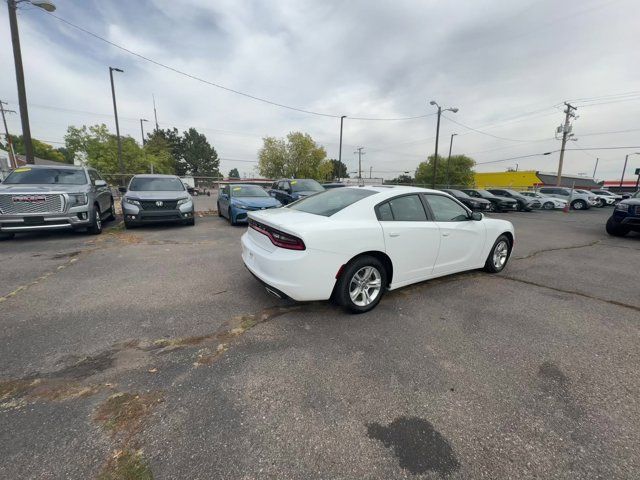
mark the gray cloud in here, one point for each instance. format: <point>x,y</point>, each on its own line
<point>495,60</point>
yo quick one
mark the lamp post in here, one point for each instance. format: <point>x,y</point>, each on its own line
<point>142,130</point>
<point>17,59</point>
<point>626,159</point>
<point>435,158</point>
<point>340,149</point>
<point>115,112</point>
<point>449,158</point>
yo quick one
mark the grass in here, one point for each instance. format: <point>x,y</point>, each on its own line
<point>126,465</point>
<point>125,412</point>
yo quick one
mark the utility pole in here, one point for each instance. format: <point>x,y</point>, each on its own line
<point>340,149</point>
<point>449,158</point>
<point>595,168</point>
<point>22,91</point>
<point>115,112</point>
<point>359,152</point>
<point>624,169</point>
<point>566,135</point>
<point>435,158</point>
<point>12,155</point>
<point>155,113</point>
<point>370,170</point>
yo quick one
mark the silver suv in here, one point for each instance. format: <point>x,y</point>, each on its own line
<point>577,200</point>
<point>44,197</point>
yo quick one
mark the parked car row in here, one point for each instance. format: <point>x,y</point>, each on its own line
<point>43,197</point>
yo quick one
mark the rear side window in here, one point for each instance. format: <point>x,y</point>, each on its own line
<point>328,202</point>
<point>384,212</point>
<point>408,209</point>
<point>446,210</point>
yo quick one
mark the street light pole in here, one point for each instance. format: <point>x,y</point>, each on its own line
<point>115,112</point>
<point>340,149</point>
<point>624,169</point>
<point>142,130</point>
<point>449,158</point>
<point>435,158</point>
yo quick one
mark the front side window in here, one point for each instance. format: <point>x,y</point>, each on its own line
<point>93,175</point>
<point>225,190</point>
<point>46,176</point>
<point>330,201</point>
<point>408,208</point>
<point>446,210</point>
<point>158,184</point>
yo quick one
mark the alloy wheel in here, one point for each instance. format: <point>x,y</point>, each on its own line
<point>365,286</point>
<point>500,253</point>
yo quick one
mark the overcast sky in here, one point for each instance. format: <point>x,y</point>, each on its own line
<point>507,65</point>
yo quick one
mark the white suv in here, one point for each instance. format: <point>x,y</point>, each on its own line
<point>577,200</point>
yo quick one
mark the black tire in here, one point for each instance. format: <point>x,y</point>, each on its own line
<point>219,212</point>
<point>191,222</point>
<point>342,292</point>
<point>615,229</point>
<point>497,261</point>
<point>601,203</point>
<point>129,225</point>
<point>112,212</point>
<point>579,205</point>
<point>6,235</point>
<point>231,218</point>
<point>548,206</point>
<point>96,225</point>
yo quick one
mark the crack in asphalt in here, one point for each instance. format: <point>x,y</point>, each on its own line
<point>571,292</point>
<point>556,249</point>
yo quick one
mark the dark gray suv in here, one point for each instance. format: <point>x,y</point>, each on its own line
<point>157,198</point>
<point>44,197</point>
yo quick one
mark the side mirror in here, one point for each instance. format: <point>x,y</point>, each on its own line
<point>122,189</point>
<point>100,183</point>
<point>477,216</point>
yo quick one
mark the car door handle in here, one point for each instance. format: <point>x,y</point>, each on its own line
<point>394,234</point>
<point>445,234</point>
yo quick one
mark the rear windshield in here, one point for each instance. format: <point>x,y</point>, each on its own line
<point>141,184</point>
<point>331,201</point>
<point>248,191</point>
<point>47,176</point>
<point>305,186</point>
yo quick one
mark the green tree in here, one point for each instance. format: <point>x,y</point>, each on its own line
<point>297,156</point>
<point>200,157</point>
<point>173,140</point>
<point>460,171</point>
<point>402,180</point>
<point>338,169</point>
<point>234,173</point>
<point>40,149</point>
<point>99,148</point>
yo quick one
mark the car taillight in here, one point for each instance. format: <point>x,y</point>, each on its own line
<point>278,238</point>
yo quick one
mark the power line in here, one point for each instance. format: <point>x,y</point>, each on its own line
<point>485,133</point>
<point>213,84</point>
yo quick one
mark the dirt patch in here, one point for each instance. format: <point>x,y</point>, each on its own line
<point>58,256</point>
<point>17,392</point>
<point>126,465</point>
<point>125,412</point>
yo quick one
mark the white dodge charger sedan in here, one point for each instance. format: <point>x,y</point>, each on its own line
<point>352,244</point>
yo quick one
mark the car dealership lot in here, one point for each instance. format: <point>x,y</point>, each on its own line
<point>529,373</point>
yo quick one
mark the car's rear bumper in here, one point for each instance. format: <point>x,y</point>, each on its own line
<point>300,275</point>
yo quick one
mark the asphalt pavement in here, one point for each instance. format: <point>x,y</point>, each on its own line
<point>154,351</point>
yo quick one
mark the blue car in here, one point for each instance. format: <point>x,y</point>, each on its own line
<point>235,200</point>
